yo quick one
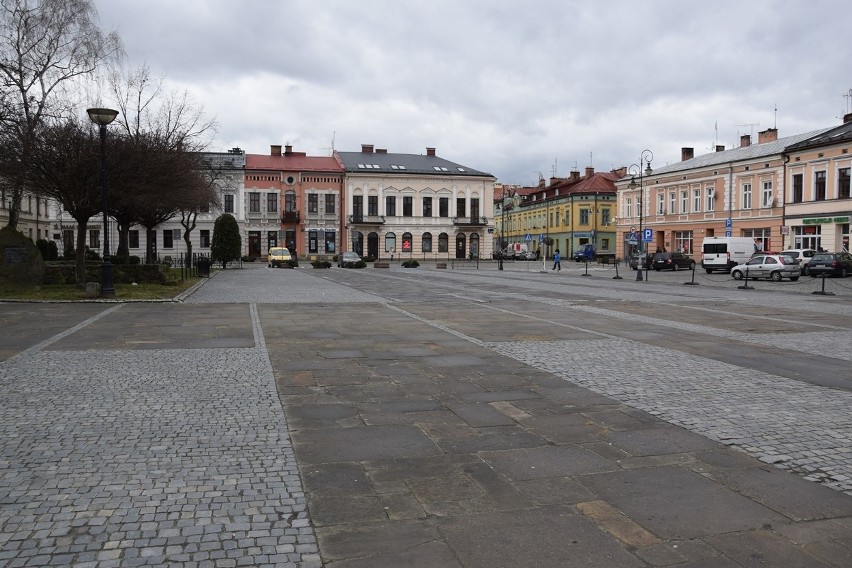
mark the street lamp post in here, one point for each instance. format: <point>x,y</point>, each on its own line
<point>637,169</point>
<point>502,230</point>
<point>102,117</point>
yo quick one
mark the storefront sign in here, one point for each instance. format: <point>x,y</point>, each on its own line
<point>825,220</point>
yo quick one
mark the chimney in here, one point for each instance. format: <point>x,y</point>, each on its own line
<point>381,150</point>
<point>720,148</point>
<point>590,171</point>
<point>745,140</point>
<point>847,117</point>
<point>768,135</point>
<point>687,154</point>
<point>367,148</point>
<point>430,151</point>
<point>275,150</point>
<point>288,149</point>
<point>553,180</point>
<point>575,175</point>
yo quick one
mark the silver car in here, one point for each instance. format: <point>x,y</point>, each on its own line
<point>348,260</point>
<point>773,266</point>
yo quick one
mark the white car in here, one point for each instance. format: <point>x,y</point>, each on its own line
<point>773,266</point>
<point>802,256</point>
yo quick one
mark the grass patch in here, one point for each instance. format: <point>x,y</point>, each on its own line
<point>122,291</point>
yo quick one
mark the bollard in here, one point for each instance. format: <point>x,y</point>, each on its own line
<point>586,273</point>
<point>616,277</point>
<point>692,282</point>
<point>823,292</point>
<point>746,286</point>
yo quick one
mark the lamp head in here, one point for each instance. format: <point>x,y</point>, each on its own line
<point>632,184</point>
<point>102,116</point>
<point>648,170</point>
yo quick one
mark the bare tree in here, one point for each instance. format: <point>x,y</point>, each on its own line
<point>200,197</point>
<point>45,47</point>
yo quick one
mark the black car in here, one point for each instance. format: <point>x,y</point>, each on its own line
<point>830,264</point>
<point>672,261</point>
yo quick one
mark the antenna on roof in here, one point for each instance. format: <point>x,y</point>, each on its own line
<point>331,149</point>
<point>554,169</point>
<point>848,97</point>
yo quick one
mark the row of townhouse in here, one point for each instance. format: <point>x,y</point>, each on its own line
<point>34,216</point>
<point>377,203</point>
<point>791,192</point>
<point>563,214</point>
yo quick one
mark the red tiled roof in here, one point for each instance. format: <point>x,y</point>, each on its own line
<point>293,163</point>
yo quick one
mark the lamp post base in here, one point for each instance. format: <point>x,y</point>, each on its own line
<point>107,290</point>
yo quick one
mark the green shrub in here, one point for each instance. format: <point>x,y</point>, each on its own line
<point>410,264</point>
<point>247,258</point>
<point>134,260</point>
<point>360,264</point>
<point>48,249</point>
<point>321,264</point>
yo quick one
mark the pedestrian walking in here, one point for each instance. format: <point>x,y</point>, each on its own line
<point>556,265</point>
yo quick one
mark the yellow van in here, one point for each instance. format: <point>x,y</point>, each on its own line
<point>278,256</point>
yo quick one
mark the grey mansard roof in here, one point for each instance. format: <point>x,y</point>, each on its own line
<point>387,163</point>
<point>753,152</point>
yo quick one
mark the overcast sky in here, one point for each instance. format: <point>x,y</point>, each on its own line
<point>516,89</point>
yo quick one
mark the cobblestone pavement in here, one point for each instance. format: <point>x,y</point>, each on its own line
<point>147,457</point>
<point>418,400</point>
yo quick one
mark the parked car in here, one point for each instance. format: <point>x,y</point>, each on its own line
<point>645,258</point>
<point>278,256</point>
<point>584,253</point>
<point>348,259</point>
<point>773,266</point>
<point>672,261</point>
<point>830,264</point>
<point>802,256</point>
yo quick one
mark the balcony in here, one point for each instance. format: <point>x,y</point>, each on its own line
<point>470,221</point>
<point>366,220</point>
<point>291,217</point>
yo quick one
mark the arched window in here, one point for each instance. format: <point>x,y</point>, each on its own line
<point>390,242</point>
<point>427,242</point>
<point>460,245</point>
<point>443,243</point>
<point>407,242</point>
<point>373,245</point>
<point>357,243</point>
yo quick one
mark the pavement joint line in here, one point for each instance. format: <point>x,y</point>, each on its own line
<point>437,325</point>
<point>51,340</point>
<point>752,316</point>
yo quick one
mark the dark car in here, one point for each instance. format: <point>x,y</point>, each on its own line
<point>645,258</point>
<point>348,259</point>
<point>672,261</point>
<point>830,264</point>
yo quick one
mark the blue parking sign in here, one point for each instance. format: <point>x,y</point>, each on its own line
<point>647,235</point>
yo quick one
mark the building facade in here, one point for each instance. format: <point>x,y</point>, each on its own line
<point>414,206</point>
<point>738,192</point>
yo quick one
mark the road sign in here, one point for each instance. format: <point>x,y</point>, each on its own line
<point>527,237</point>
<point>729,223</point>
<point>728,233</point>
<point>541,238</point>
<point>647,235</point>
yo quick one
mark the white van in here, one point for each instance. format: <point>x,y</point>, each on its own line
<point>724,253</point>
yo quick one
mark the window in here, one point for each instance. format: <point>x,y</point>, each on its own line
<point>427,211</point>
<point>272,202</point>
<point>407,209</point>
<point>289,201</point>
<point>605,219</point>
<point>684,201</point>
<point>94,239</point>
<point>474,209</point>
<point>628,207</point>
<point>204,238</point>
<point>229,203</point>
<point>798,188</point>
<point>683,241</point>
<point>843,183</point>
<point>373,205</point>
<point>313,203</point>
<point>443,242</point>
<point>711,199</point>
<point>746,196</point>
<point>819,186</point>
<point>390,242</point>
<point>168,239</point>
<point>661,204</point>
<point>407,241</point>
<point>584,216</point>
<point>426,245</point>
<point>133,239</point>
<point>390,206</point>
<point>672,202</point>
<point>444,207</point>
<point>766,197</point>
<point>329,241</point>
<point>254,202</point>
<point>313,242</point>
<point>696,200</point>
<point>358,206</point>
<point>461,210</point>
<point>329,204</point>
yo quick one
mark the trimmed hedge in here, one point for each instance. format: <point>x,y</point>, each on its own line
<point>63,273</point>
